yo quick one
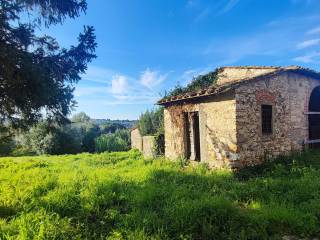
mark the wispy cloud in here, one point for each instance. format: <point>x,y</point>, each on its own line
<point>308,43</point>
<point>191,3</point>
<point>98,74</point>
<point>119,84</point>
<point>229,6</point>
<point>308,58</point>
<point>116,88</point>
<point>304,2</point>
<point>277,39</point>
<point>81,91</point>
<point>315,30</point>
<point>204,13</point>
<point>151,78</point>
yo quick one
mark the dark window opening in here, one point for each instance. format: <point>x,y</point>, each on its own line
<point>266,117</point>
<point>314,117</point>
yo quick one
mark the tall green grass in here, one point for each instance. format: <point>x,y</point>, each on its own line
<point>123,196</point>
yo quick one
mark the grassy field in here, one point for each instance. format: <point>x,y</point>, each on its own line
<point>123,196</point>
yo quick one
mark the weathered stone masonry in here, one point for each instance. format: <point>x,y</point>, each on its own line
<point>230,115</point>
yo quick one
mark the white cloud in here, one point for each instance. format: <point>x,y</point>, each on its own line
<point>308,43</point>
<point>151,79</point>
<point>314,31</point>
<point>308,58</point>
<point>119,84</point>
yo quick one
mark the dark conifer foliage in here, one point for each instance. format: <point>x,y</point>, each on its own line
<point>37,76</point>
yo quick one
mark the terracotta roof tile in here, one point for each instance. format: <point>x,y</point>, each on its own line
<point>217,89</point>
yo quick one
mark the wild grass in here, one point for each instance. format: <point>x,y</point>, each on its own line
<point>123,196</point>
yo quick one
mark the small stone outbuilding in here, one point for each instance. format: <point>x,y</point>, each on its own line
<point>145,144</point>
<point>248,114</point>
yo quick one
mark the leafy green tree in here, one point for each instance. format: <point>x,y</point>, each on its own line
<point>48,138</point>
<point>89,132</point>
<point>151,122</point>
<point>80,117</point>
<point>110,127</point>
<point>114,142</point>
<point>37,75</point>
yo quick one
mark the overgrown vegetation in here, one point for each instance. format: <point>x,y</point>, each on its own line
<point>79,135</point>
<point>198,83</point>
<point>118,141</point>
<point>123,196</point>
<point>152,123</point>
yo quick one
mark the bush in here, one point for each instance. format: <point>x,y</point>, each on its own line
<point>197,83</point>
<point>46,138</point>
<point>115,142</point>
<point>151,122</point>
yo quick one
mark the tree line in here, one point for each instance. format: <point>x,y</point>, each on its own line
<point>80,134</point>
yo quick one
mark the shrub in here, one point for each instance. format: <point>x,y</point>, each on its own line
<point>46,138</point>
<point>114,142</point>
<point>151,122</point>
<point>197,83</point>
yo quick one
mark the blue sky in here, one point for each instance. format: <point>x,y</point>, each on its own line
<point>147,46</point>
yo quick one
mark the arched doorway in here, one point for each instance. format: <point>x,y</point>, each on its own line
<point>314,118</point>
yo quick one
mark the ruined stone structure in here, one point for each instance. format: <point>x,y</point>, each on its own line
<point>250,113</point>
<point>136,139</point>
<point>144,144</point>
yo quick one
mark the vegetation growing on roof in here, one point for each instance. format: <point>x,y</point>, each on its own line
<point>198,83</point>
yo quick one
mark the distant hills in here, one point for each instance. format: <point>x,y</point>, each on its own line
<point>125,123</point>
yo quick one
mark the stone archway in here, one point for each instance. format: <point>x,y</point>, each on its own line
<point>314,118</point>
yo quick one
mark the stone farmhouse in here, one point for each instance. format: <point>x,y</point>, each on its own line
<point>249,114</point>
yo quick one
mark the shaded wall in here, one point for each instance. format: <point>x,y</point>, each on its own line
<point>217,119</point>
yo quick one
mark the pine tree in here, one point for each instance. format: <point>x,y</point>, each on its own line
<point>37,76</point>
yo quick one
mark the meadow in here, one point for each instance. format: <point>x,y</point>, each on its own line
<point>123,196</point>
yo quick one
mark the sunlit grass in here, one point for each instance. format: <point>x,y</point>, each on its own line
<point>123,196</point>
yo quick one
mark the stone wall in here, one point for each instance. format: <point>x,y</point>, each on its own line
<point>174,129</point>
<point>148,146</point>
<point>144,144</point>
<point>234,74</point>
<point>219,128</point>
<point>217,121</point>
<point>230,125</point>
<point>288,93</point>
<point>136,139</point>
